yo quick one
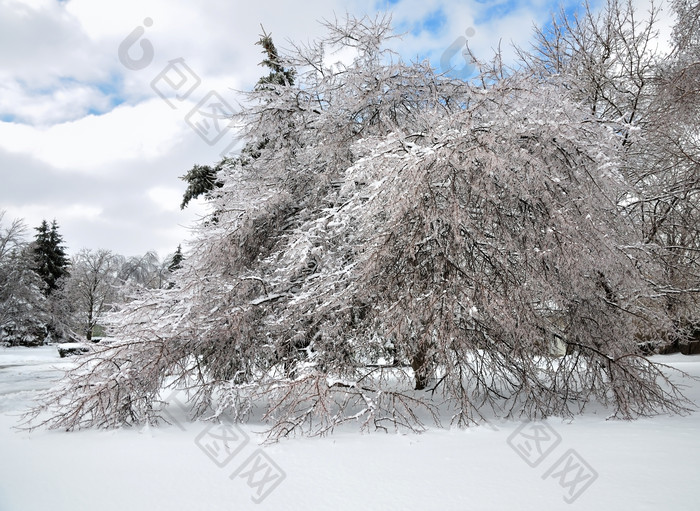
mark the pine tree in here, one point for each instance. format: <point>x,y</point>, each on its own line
<point>279,75</point>
<point>202,179</point>
<point>176,262</point>
<point>51,261</point>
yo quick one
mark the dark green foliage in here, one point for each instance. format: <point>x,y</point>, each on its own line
<point>176,262</point>
<point>50,259</point>
<point>278,74</point>
<point>201,180</point>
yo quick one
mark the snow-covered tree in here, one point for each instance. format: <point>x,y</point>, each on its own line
<point>668,160</point>
<point>201,179</point>
<point>146,271</point>
<point>92,289</point>
<point>23,313</point>
<point>611,60</point>
<point>175,261</point>
<point>402,240</point>
<point>607,58</point>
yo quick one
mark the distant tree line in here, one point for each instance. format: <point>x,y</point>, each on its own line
<point>47,296</point>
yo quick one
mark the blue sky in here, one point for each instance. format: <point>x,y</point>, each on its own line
<point>88,141</point>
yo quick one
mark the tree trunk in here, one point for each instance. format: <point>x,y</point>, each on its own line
<point>421,367</point>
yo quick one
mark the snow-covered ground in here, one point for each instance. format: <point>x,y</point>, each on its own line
<point>649,464</point>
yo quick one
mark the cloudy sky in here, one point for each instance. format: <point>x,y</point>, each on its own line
<point>101,101</point>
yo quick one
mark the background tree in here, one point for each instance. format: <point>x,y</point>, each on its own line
<point>53,266</point>
<point>50,255</point>
<point>92,288</point>
<point>175,262</point>
<point>668,159</point>
<point>402,240</point>
<point>23,314</point>
<point>102,281</point>
<point>146,271</point>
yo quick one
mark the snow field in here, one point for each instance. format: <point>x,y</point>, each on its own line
<point>648,464</point>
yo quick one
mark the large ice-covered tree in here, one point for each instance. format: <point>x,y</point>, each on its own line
<point>401,240</point>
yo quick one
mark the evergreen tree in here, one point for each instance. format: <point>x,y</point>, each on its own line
<point>51,261</point>
<point>176,262</point>
<point>279,75</point>
<point>202,179</point>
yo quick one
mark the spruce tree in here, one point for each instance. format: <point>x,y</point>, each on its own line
<point>51,261</point>
<point>176,262</point>
<point>201,179</point>
<point>279,75</point>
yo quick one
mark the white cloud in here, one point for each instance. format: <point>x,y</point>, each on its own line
<point>110,20</point>
<point>41,42</point>
<point>64,103</point>
<point>166,198</point>
<point>34,213</point>
<point>98,143</point>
